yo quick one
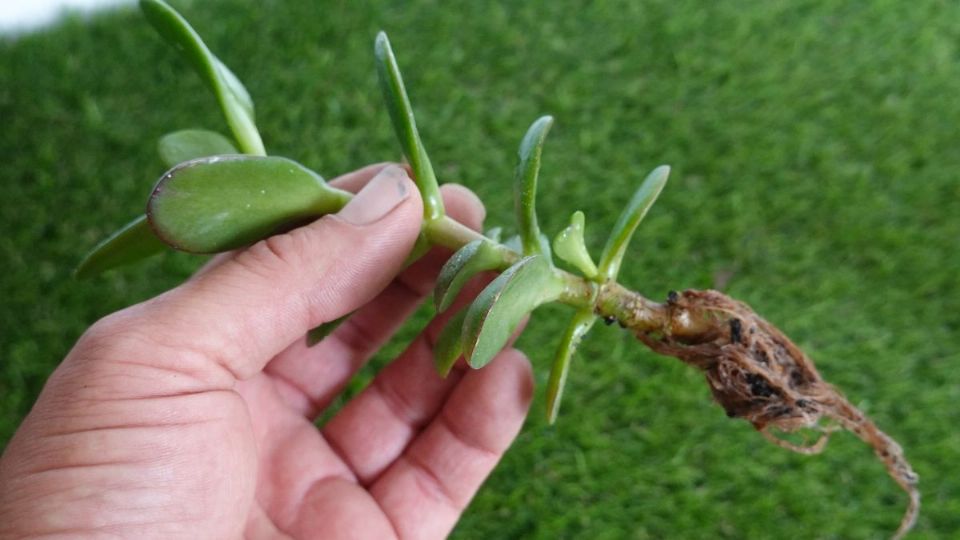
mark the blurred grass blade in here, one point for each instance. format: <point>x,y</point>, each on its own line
<point>497,311</point>
<point>525,184</point>
<point>449,346</point>
<point>234,99</point>
<point>221,203</point>
<point>186,144</point>
<point>473,258</point>
<point>627,223</point>
<point>581,323</point>
<point>405,125</point>
<point>133,242</point>
<point>569,246</point>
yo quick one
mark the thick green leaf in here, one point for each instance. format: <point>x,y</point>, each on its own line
<point>627,223</point>
<point>405,125</point>
<point>133,242</point>
<point>473,258</point>
<point>186,144</point>
<point>582,322</point>
<point>449,345</point>
<point>525,184</point>
<point>569,246</point>
<point>233,97</point>
<point>498,310</point>
<point>220,203</point>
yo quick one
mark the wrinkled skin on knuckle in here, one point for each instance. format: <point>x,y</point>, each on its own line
<point>276,255</point>
<point>303,249</point>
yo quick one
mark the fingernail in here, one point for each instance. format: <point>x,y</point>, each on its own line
<point>381,195</point>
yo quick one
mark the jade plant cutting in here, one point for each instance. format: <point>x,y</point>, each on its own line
<point>225,193</point>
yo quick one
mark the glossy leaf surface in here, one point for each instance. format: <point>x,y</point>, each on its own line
<point>473,258</point>
<point>186,144</point>
<point>569,246</point>
<point>581,323</point>
<point>525,184</point>
<point>449,345</point>
<point>234,99</point>
<point>133,242</point>
<point>405,126</point>
<point>628,221</point>
<point>497,311</point>
<point>220,203</point>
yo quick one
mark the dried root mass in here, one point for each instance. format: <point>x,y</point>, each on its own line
<point>756,373</point>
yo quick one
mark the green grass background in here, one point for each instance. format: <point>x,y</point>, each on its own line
<point>815,158</point>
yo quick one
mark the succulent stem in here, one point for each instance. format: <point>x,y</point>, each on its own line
<point>613,301</point>
<point>451,234</point>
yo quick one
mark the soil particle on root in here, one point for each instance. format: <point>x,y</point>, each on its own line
<point>761,376</point>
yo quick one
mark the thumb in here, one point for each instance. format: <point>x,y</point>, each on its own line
<point>246,310</point>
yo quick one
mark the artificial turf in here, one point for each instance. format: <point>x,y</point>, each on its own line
<point>815,158</point>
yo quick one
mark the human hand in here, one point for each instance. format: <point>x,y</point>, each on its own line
<point>191,414</point>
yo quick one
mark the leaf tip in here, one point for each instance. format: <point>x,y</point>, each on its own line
<point>533,139</point>
<point>552,413</point>
<point>381,44</point>
<point>570,247</point>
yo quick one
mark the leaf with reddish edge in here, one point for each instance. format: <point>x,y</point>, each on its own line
<point>220,203</point>
<point>473,258</point>
<point>498,310</point>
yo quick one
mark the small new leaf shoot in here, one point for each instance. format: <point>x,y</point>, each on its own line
<point>569,246</point>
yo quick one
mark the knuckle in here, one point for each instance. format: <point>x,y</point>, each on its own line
<point>277,253</point>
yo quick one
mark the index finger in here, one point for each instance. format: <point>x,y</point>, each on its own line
<point>312,376</point>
